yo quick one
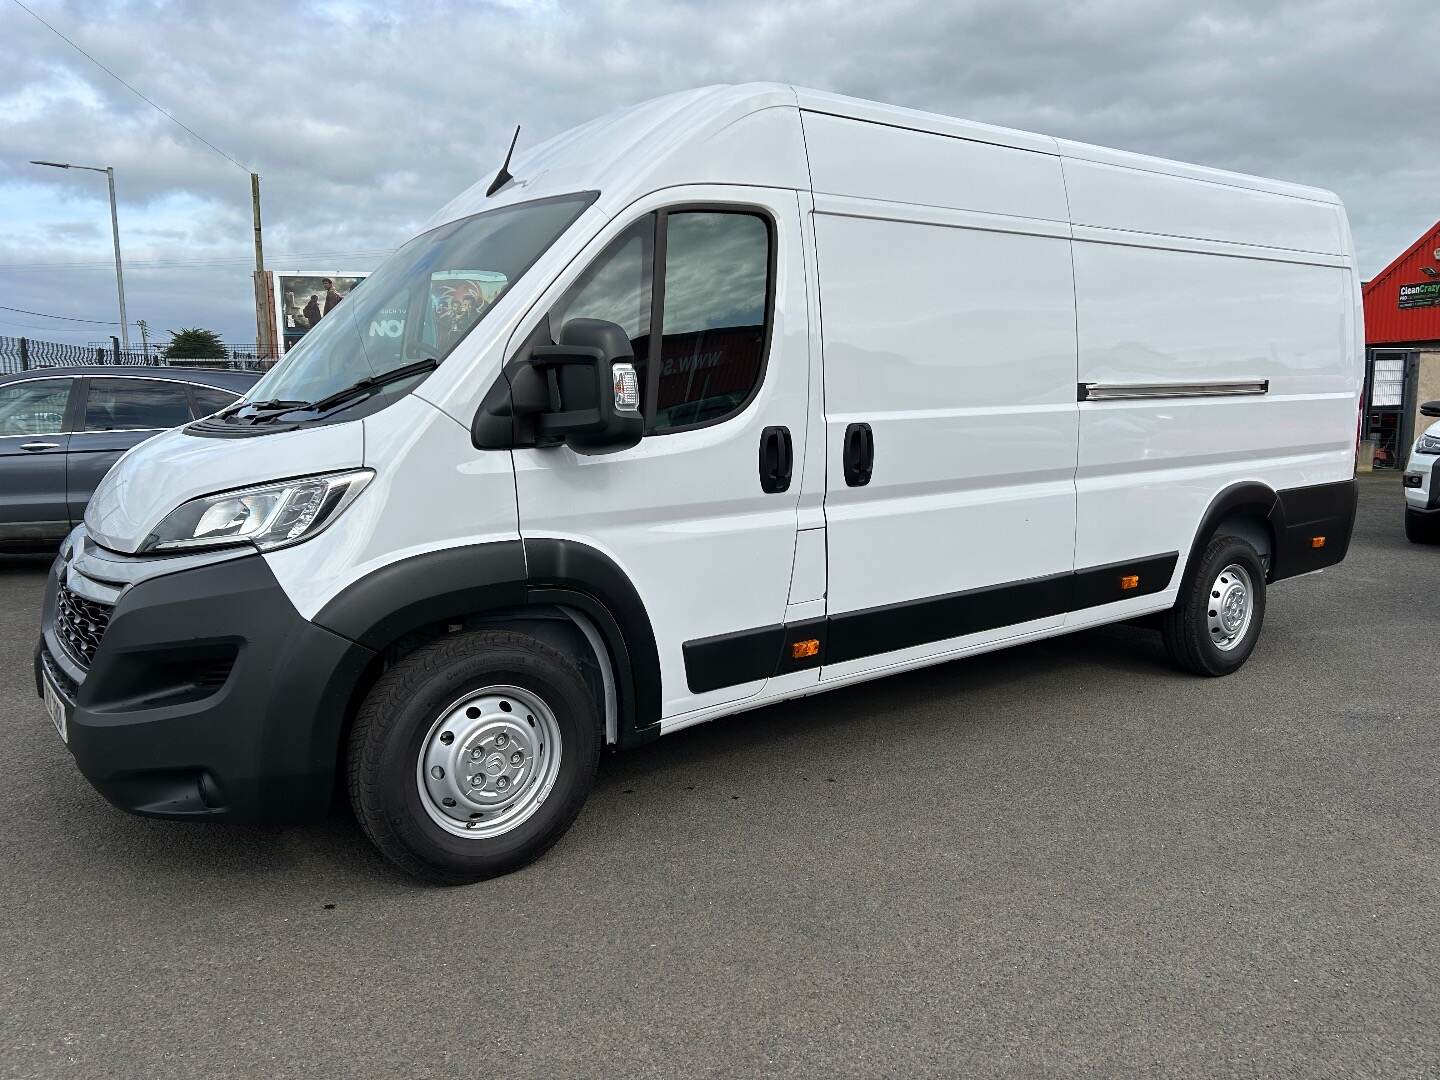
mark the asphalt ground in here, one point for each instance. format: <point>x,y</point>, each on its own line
<point>1062,859</point>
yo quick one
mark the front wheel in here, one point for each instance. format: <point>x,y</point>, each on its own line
<point>472,755</point>
<point>1213,627</point>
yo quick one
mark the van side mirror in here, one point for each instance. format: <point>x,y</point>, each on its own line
<point>583,392</point>
<point>1430,408</point>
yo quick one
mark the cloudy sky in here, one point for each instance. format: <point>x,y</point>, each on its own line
<point>364,118</point>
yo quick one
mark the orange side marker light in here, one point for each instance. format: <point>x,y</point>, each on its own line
<point>799,650</point>
<point>1317,541</point>
<point>1130,581</point>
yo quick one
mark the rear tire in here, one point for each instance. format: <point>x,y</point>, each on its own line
<point>471,756</point>
<point>1216,620</point>
<point>1422,528</point>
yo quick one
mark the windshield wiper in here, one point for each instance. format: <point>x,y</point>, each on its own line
<point>261,410</point>
<point>275,404</point>
<point>372,382</point>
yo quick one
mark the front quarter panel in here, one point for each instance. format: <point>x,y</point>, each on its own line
<point>161,473</point>
<point>432,490</point>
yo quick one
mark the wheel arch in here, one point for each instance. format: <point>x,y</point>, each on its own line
<point>396,608</point>
<point>1246,509</point>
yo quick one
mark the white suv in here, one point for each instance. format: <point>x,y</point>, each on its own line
<point>1422,483</point>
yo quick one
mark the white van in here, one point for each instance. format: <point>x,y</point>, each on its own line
<point>1421,481</point>
<point>736,396</point>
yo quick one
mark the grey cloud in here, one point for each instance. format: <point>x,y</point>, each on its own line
<point>361,125</point>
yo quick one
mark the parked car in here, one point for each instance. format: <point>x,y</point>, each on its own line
<point>62,428</point>
<point>743,394</point>
<point>1422,483</point>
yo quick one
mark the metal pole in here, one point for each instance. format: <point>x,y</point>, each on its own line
<point>119,273</point>
<point>144,339</point>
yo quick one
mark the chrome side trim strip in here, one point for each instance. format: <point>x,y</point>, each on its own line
<point>1133,391</point>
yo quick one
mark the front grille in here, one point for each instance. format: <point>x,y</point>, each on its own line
<point>80,624</point>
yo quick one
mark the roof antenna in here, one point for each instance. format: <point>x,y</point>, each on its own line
<point>503,177</point>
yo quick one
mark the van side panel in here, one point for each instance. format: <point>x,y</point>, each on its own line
<point>950,332</point>
<point>1111,197</point>
<point>892,164</point>
<point>1157,310</point>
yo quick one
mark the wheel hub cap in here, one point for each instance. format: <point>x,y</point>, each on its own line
<point>489,761</point>
<point>1231,607</point>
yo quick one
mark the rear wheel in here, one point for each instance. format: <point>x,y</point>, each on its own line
<point>472,755</point>
<point>1422,528</point>
<point>1213,627</point>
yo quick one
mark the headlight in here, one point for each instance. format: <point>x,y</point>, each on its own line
<point>1428,444</point>
<point>270,516</point>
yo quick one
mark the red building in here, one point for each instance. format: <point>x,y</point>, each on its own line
<point>1402,347</point>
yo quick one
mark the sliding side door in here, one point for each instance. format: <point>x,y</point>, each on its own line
<point>948,310</point>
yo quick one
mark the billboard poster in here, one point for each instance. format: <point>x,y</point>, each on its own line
<point>303,298</point>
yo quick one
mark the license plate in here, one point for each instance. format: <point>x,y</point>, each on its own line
<point>55,706</point>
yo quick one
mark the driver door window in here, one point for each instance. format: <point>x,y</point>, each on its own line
<point>617,287</point>
<point>715,304</point>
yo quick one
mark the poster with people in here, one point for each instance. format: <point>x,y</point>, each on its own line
<point>302,299</point>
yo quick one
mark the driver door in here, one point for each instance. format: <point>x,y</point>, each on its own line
<point>709,285</point>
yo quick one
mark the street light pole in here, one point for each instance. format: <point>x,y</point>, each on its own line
<point>119,273</point>
<point>115,233</point>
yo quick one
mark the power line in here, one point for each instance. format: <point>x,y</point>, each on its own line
<point>169,116</point>
<point>218,261</point>
<point>51,329</point>
<point>67,318</point>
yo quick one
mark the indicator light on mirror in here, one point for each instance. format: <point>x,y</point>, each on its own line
<point>627,387</point>
<point>800,650</point>
<point>1130,581</point>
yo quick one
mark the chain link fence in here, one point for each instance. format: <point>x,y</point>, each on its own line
<point>27,354</point>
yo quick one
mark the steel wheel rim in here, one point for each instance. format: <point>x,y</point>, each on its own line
<point>1231,607</point>
<point>489,761</point>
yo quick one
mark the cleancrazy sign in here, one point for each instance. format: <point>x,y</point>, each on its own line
<point>1421,294</point>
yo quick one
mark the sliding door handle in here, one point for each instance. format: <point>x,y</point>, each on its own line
<point>858,455</point>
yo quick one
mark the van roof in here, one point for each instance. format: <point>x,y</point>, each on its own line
<point>697,136</point>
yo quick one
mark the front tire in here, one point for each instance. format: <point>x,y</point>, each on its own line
<point>1213,627</point>
<point>1422,528</point>
<point>471,756</point>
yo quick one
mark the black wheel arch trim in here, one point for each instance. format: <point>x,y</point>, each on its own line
<point>1295,517</point>
<point>460,582</point>
<point>1247,497</point>
<point>570,573</point>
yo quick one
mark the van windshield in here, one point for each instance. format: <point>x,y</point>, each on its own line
<point>419,304</point>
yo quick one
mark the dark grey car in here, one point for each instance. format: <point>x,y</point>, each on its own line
<point>62,428</point>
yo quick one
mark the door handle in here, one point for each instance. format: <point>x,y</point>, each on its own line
<point>777,459</point>
<point>858,455</point>
<point>35,446</point>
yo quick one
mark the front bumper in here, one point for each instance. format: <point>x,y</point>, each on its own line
<point>208,696</point>
<point>1421,481</point>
